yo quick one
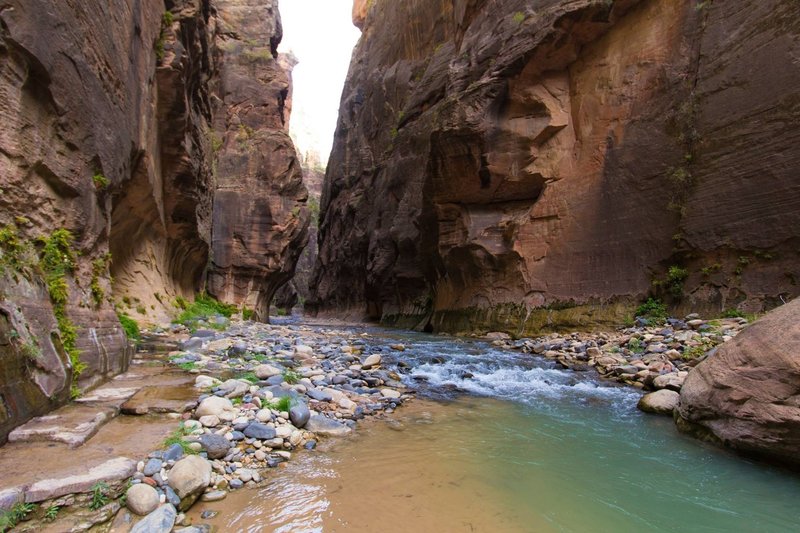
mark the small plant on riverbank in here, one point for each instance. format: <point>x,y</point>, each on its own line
<point>19,512</point>
<point>290,376</point>
<point>282,404</point>
<point>176,437</point>
<point>249,376</point>
<point>635,345</point>
<point>694,352</point>
<point>653,308</point>
<point>188,366</point>
<point>99,496</point>
<point>51,513</point>
<point>247,314</point>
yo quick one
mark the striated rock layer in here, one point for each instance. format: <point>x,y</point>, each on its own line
<point>518,165</point>
<point>260,219</point>
<point>109,114</point>
<point>747,395</point>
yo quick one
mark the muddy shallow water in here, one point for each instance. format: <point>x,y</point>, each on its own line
<point>522,447</point>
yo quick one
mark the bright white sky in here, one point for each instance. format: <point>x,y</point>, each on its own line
<point>322,36</point>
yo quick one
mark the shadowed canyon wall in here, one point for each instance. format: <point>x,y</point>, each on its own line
<point>119,125</point>
<point>508,164</point>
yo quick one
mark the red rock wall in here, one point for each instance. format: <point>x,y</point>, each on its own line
<point>514,165</point>
<point>260,218</point>
<point>149,95</point>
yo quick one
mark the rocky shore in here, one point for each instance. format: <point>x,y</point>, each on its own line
<point>653,355</point>
<point>264,392</point>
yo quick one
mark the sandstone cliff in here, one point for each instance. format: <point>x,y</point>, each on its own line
<point>119,124</point>
<point>516,165</point>
<point>260,218</point>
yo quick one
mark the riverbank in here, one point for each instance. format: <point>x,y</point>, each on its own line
<point>261,393</point>
<point>264,392</point>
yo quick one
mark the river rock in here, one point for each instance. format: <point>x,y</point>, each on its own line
<point>141,499</point>
<point>320,395</point>
<point>371,360</point>
<point>661,402</point>
<point>209,421</point>
<point>159,521</point>
<point>322,425</point>
<point>390,393</point>
<point>267,371</point>
<point>10,497</point>
<point>746,395</point>
<point>673,381</point>
<point>216,446</point>
<point>234,388</point>
<point>189,477</point>
<point>257,430</point>
<point>214,405</point>
<point>213,496</point>
<point>153,466</point>
<point>299,414</point>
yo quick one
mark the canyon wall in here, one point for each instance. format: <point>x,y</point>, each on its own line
<point>260,218</point>
<point>518,165</point>
<point>117,150</point>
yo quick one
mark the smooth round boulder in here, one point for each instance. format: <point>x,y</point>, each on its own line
<point>190,476</point>
<point>216,446</point>
<point>660,402</point>
<point>299,414</point>
<point>214,405</point>
<point>141,499</point>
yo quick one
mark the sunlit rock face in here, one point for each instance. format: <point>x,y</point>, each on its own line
<point>260,219</point>
<point>516,165</point>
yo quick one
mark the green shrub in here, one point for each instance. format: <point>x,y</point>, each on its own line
<point>203,307</point>
<point>676,276</point>
<point>100,181</point>
<point>284,403</point>
<point>652,308</point>
<point>519,17</point>
<point>731,313</point>
<point>51,513</point>
<point>130,326</point>
<point>247,314</point>
<point>249,376</point>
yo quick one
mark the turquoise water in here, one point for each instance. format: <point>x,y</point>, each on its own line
<point>519,446</point>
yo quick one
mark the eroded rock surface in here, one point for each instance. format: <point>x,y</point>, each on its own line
<point>510,165</point>
<point>747,396</point>
<point>260,217</point>
<point>126,124</point>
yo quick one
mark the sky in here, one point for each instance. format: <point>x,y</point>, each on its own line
<point>321,35</point>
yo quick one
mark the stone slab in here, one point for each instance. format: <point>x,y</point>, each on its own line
<point>117,469</point>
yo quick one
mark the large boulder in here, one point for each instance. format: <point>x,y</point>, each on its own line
<point>747,395</point>
<point>189,477</point>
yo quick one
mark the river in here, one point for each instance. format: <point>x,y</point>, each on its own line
<point>501,441</point>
